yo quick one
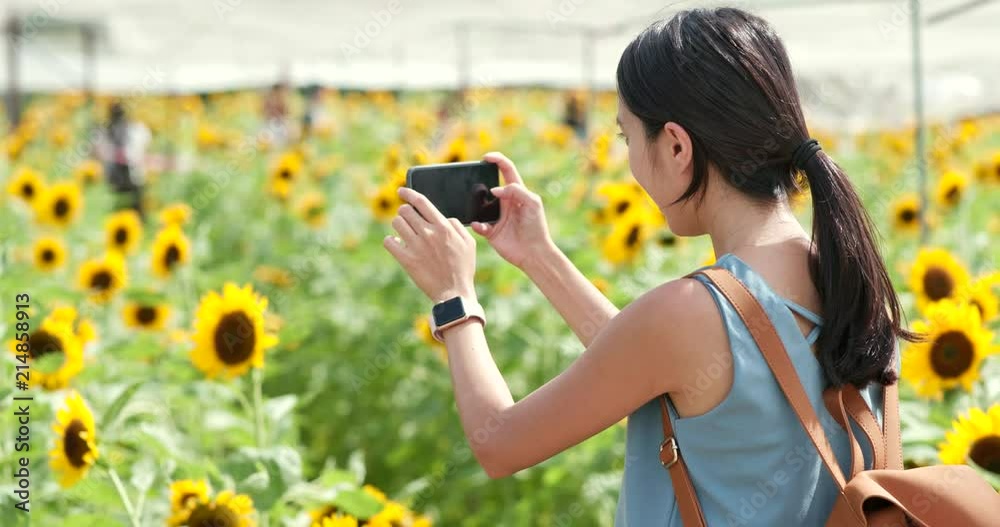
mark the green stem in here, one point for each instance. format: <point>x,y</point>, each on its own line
<point>124,497</point>
<point>258,407</point>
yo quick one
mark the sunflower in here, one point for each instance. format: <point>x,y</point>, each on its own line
<point>185,495</point>
<point>337,521</point>
<point>955,344</point>
<point>457,150</point>
<point>228,509</point>
<point>171,249</point>
<point>54,342</point>
<point>276,276</point>
<point>175,214</point>
<point>88,172</point>
<point>906,213</point>
<point>229,332</point>
<point>146,316</point>
<point>280,188</point>
<point>76,441</point>
<point>974,437</point>
<point>621,198</point>
<point>123,231</point>
<point>59,204</point>
<point>287,167</point>
<point>936,274</point>
<point>385,203</point>
<point>626,239</point>
<point>988,170</point>
<point>951,188</point>
<point>422,328</point>
<point>980,294</point>
<point>26,184</point>
<point>392,514</point>
<point>85,330</point>
<point>103,277</point>
<point>312,209</point>
<point>49,254</point>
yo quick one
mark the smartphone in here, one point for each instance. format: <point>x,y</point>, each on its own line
<point>459,190</point>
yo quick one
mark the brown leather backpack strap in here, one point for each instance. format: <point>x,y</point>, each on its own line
<point>773,350</point>
<point>857,409</point>
<point>890,427</point>
<point>834,398</point>
<point>670,458</point>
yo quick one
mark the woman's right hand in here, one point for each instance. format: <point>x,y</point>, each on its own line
<point>521,233</point>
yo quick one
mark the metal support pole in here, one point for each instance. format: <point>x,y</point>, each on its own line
<point>13,31</point>
<point>918,108</point>
<point>462,43</point>
<point>89,48</point>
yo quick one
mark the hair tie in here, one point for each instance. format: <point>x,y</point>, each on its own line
<point>804,153</point>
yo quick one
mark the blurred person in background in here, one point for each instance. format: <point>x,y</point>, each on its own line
<point>123,150</point>
<point>575,115</point>
<point>716,137</point>
<point>275,113</point>
<point>314,115</point>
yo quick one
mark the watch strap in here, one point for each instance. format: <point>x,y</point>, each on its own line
<point>472,310</point>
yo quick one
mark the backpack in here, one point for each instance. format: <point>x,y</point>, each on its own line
<point>887,495</point>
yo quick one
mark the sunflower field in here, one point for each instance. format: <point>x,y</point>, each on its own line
<point>246,353</point>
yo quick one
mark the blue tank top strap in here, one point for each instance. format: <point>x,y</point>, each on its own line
<point>805,313</point>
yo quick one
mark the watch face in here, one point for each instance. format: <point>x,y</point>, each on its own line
<point>448,311</point>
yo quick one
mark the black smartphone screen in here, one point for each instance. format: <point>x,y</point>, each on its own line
<point>459,190</point>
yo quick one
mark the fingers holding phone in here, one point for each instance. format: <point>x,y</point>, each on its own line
<point>521,232</point>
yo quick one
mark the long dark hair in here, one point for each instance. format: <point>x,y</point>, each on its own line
<point>723,74</point>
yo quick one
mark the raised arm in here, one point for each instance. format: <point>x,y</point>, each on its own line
<point>650,348</point>
<point>522,238</point>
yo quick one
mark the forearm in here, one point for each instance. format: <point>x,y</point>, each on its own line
<point>584,308</point>
<point>481,393</point>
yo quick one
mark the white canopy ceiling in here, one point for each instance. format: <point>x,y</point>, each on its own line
<point>853,58</point>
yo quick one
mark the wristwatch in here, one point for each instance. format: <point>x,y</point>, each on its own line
<point>453,312</point>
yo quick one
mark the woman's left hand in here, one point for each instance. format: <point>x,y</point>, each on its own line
<point>438,253</point>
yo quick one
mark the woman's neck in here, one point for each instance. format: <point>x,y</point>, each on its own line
<point>737,222</point>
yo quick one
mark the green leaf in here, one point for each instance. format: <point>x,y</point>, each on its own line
<point>357,503</point>
<point>117,405</point>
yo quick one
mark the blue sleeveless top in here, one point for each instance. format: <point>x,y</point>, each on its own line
<point>749,458</point>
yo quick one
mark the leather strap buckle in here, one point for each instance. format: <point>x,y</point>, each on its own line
<point>673,453</point>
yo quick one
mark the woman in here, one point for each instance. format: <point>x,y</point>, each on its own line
<point>715,135</point>
<point>123,149</point>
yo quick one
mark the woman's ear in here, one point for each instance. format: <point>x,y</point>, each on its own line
<point>677,145</point>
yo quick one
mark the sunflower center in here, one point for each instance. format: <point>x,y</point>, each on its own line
<point>986,453</point>
<point>315,212</point>
<point>43,343</point>
<point>27,190</point>
<point>938,283</point>
<point>75,445</point>
<point>284,173</point>
<point>622,206</point>
<point>121,236</point>
<point>908,215</point>
<point>633,237</point>
<point>952,194</point>
<point>668,240</point>
<point>213,515</point>
<point>171,256</point>
<point>101,280</point>
<point>952,354</point>
<point>48,255</point>
<point>383,204</point>
<point>235,338</point>
<point>145,315</point>
<point>61,207</point>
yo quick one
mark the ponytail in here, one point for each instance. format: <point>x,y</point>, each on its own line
<point>862,317</point>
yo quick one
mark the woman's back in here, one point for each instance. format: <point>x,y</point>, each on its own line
<point>749,458</point>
